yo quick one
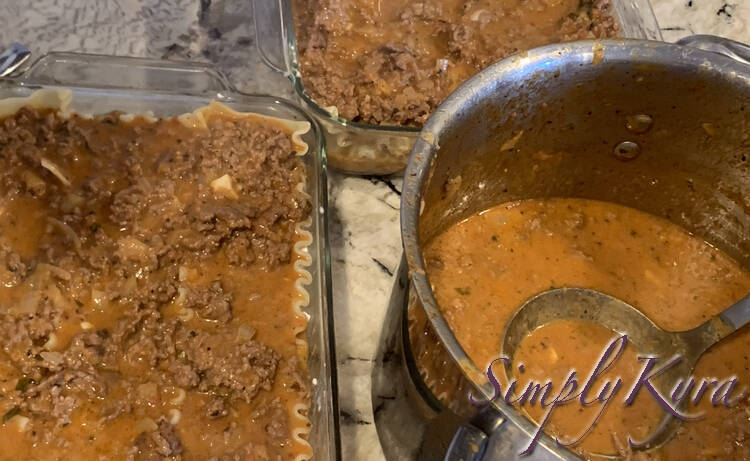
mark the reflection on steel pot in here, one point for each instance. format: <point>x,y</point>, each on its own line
<point>658,127</point>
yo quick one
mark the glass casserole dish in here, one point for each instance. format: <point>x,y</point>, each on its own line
<point>101,84</point>
<point>380,149</point>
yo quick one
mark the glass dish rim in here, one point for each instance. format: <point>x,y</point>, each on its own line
<point>24,79</point>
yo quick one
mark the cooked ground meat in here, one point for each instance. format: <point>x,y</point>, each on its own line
<point>211,302</point>
<point>13,269</point>
<point>217,408</point>
<point>392,62</point>
<point>158,445</point>
<point>142,338</point>
<point>226,365</point>
<point>57,395</point>
<point>26,329</point>
<point>126,277</point>
<point>277,427</point>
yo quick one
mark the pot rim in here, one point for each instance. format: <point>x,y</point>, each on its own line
<point>427,146</point>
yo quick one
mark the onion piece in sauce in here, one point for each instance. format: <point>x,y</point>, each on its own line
<point>55,170</point>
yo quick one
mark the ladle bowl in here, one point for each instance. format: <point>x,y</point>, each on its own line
<point>684,347</point>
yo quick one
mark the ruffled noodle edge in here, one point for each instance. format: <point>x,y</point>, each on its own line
<point>302,257</point>
<point>39,99</point>
<point>197,119</point>
<point>303,260</point>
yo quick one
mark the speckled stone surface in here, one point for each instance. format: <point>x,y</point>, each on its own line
<point>365,242</point>
<point>678,18</point>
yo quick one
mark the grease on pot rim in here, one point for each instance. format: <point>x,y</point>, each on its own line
<point>598,54</point>
<point>486,266</point>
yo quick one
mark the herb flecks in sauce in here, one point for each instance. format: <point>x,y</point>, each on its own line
<point>676,279</point>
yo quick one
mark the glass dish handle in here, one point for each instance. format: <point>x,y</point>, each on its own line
<point>100,71</point>
<point>270,34</point>
<point>736,50</point>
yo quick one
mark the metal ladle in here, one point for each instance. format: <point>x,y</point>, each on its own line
<point>593,306</point>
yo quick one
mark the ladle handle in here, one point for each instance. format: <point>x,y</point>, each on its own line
<point>738,314</point>
<point>719,327</point>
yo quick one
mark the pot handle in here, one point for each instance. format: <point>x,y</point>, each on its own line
<point>730,48</point>
<point>470,441</point>
<point>270,33</point>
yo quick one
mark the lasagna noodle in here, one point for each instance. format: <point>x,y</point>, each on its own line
<point>60,99</point>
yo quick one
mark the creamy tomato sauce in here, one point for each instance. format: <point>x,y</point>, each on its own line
<point>148,282</point>
<point>551,352</point>
<point>484,268</point>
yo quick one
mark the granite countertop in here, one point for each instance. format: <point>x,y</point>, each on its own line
<point>365,241</point>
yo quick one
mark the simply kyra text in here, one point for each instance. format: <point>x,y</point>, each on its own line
<point>685,390</point>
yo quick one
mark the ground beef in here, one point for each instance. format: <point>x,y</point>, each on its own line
<point>129,203</point>
<point>215,362</point>
<point>240,370</point>
<point>86,351</point>
<point>157,292</point>
<point>158,445</point>
<point>12,268</point>
<point>57,395</point>
<point>395,72</point>
<point>595,19</point>
<point>113,235</point>
<point>53,383</point>
<point>142,338</point>
<point>184,374</point>
<point>291,367</point>
<point>240,249</point>
<point>217,408</point>
<point>260,160</point>
<point>25,333</point>
<point>278,425</point>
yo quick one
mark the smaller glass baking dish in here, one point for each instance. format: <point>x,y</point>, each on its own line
<point>102,84</point>
<point>375,149</point>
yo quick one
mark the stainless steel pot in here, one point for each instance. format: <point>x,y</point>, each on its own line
<point>691,167</point>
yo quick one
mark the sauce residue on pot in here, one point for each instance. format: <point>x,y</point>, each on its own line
<point>485,267</point>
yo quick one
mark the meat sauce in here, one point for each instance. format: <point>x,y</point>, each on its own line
<point>148,287</point>
<point>390,62</point>
<point>484,268</point>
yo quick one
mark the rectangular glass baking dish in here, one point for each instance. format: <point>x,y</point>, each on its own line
<point>102,84</point>
<point>373,149</point>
